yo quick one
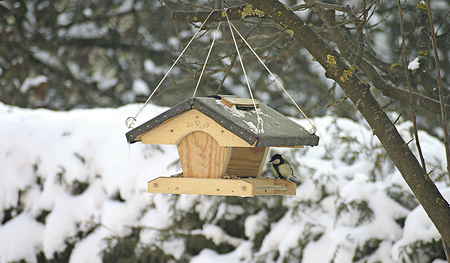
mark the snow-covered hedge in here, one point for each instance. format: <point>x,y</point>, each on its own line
<point>72,189</point>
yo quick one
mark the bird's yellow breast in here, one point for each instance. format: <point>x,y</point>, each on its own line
<point>285,170</point>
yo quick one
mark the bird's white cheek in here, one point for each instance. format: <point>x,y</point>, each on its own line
<point>276,161</point>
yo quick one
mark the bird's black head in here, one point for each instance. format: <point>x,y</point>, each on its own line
<point>276,157</point>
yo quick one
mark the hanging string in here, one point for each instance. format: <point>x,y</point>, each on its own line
<point>260,125</point>
<point>130,120</point>
<point>313,127</point>
<point>206,61</point>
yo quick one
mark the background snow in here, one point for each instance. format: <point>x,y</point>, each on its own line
<point>65,172</point>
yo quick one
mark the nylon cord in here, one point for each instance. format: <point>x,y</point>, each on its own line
<point>206,61</point>
<point>313,127</point>
<point>130,120</point>
<point>260,124</point>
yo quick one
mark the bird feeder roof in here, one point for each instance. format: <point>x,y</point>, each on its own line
<point>277,130</point>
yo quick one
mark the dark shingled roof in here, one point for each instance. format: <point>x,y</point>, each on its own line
<point>278,129</point>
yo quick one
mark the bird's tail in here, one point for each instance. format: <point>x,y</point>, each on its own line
<point>294,179</point>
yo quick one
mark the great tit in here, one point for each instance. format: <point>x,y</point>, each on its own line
<point>282,168</point>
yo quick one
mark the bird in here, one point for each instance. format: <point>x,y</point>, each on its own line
<point>282,168</point>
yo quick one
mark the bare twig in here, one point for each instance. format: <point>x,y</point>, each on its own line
<point>361,27</point>
<point>441,99</point>
<point>167,7</point>
<point>408,80</point>
<point>441,89</point>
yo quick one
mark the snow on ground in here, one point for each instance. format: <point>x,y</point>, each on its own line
<point>48,158</point>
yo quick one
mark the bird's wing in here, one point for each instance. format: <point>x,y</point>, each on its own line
<point>275,171</point>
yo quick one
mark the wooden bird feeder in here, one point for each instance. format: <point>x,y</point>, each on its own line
<point>221,151</point>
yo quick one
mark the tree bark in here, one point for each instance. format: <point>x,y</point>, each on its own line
<point>423,187</point>
<point>234,13</point>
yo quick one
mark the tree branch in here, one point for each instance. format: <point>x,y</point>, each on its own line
<point>423,187</point>
<point>420,77</point>
<point>234,13</point>
<point>418,99</point>
<point>441,95</point>
<point>388,90</point>
<point>413,114</point>
<point>379,83</point>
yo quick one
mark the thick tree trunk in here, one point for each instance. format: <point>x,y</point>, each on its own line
<point>424,189</point>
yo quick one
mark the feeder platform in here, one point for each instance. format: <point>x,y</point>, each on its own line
<point>219,186</point>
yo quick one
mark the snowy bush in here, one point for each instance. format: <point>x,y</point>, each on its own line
<point>71,189</point>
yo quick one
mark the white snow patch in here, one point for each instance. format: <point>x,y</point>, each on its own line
<point>140,87</point>
<point>413,65</point>
<point>87,250</point>
<point>21,238</point>
<point>243,253</point>
<point>32,82</point>
<point>85,30</point>
<point>255,224</point>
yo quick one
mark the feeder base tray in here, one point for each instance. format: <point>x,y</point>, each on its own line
<point>228,187</point>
